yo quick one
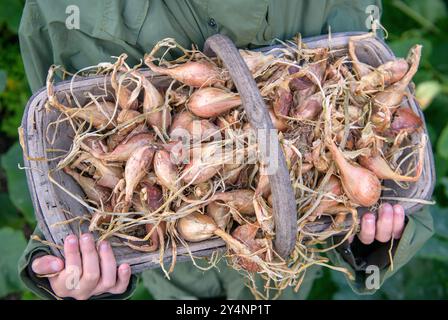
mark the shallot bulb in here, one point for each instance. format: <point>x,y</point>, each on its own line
<point>94,146</point>
<point>405,120</point>
<point>100,114</point>
<point>94,192</point>
<point>204,164</point>
<point>181,120</point>
<point>309,108</point>
<point>279,123</point>
<point>127,99</point>
<point>246,235</point>
<point>382,169</point>
<point>157,236</point>
<point>136,168</point>
<point>256,61</point>
<point>106,176</point>
<point>192,73</point>
<point>360,185</point>
<point>203,130</point>
<point>241,200</point>
<point>333,187</point>
<point>152,100</point>
<point>131,120</point>
<point>212,102</point>
<point>383,76</point>
<point>196,227</point>
<point>219,213</point>
<point>152,196</point>
<point>392,96</point>
<point>263,185</point>
<point>124,150</point>
<point>165,170</point>
<point>283,100</point>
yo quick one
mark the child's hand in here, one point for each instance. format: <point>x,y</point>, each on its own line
<point>87,272</point>
<point>390,224</point>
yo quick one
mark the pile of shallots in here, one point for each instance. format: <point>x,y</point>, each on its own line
<point>168,158</point>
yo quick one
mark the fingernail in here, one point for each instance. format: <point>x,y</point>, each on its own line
<point>72,240</point>
<point>386,207</point>
<point>125,269</point>
<point>55,265</point>
<point>104,246</point>
<point>86,237</point>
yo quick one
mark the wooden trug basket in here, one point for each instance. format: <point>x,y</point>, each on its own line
<point>51,203</point>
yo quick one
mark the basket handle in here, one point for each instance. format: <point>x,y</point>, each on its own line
<point>284,202</point>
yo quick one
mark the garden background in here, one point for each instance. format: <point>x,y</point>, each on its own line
<point>408,22</point>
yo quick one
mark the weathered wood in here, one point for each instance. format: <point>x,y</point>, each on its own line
<point>284,203</point>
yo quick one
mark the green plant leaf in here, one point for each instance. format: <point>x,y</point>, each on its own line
<point>401,47</point>
<point>436,248</point>
<point>10,13</point>
<point>17,184</point>
<point>3,78</point>
<point>419,279</point>
<point>442,144</point>
<point>432,10</point>
<point>9,215</point>
<point>426,92</point>
<point>441,167</point>
<point>323,287</point>
<point>13,243</point>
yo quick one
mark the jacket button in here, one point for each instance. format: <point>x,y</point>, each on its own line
<point>212,22</point>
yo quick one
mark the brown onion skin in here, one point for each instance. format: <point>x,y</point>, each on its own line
<point>361,185</point>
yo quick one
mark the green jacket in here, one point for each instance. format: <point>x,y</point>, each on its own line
<point>110,27</point>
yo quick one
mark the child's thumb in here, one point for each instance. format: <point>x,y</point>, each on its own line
<point>47,265</point>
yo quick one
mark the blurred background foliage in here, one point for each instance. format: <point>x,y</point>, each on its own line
<point>407,21</point>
